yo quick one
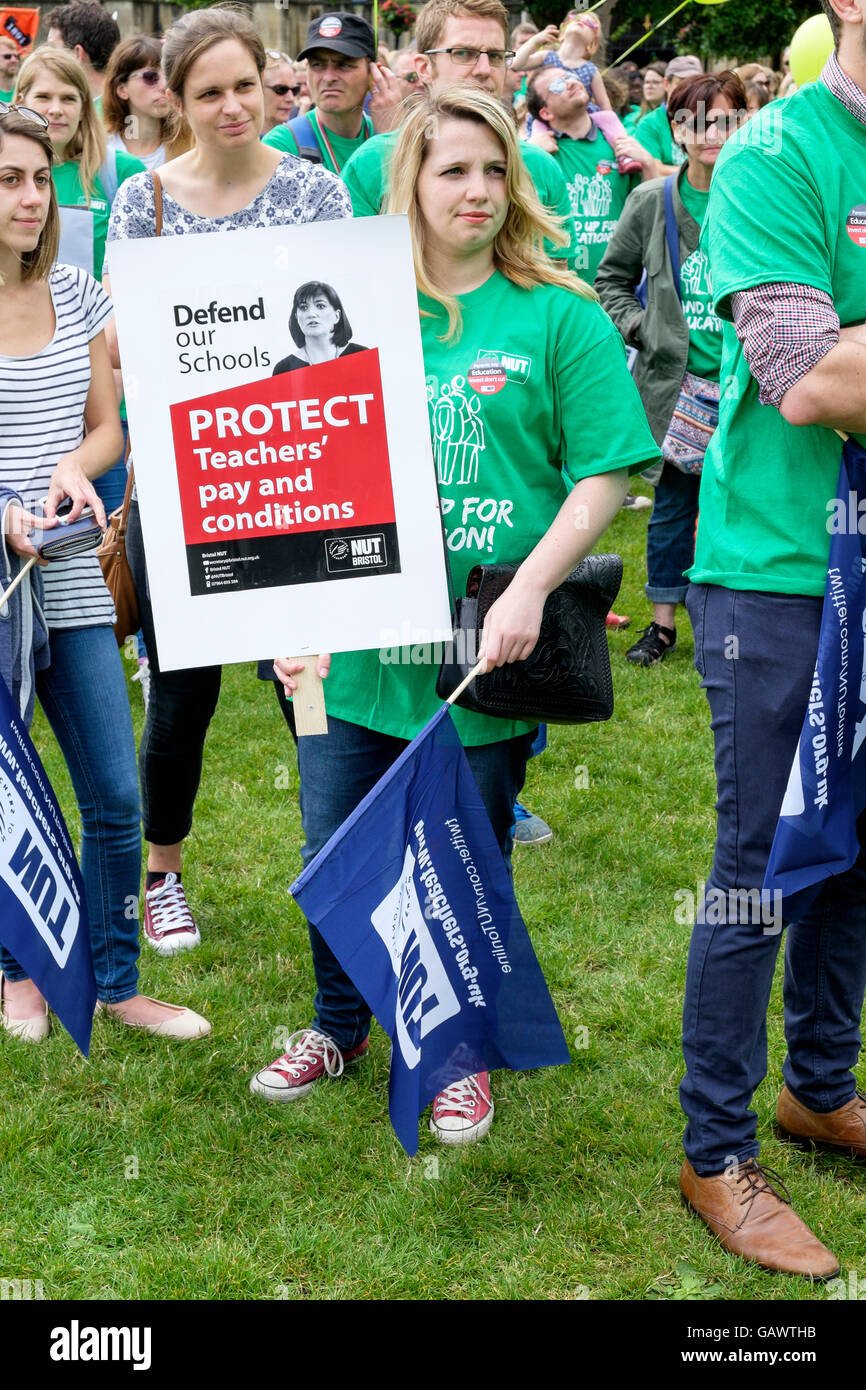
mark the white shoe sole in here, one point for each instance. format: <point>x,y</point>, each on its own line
<point>258,1088</point>
<point>174,946</point>
<point>463,1136</point>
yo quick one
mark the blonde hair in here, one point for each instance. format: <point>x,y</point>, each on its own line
<point>87,147</point>
<point>518,249</point>
<point>36,264</point>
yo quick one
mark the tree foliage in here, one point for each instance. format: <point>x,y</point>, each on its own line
<point>742,29</point>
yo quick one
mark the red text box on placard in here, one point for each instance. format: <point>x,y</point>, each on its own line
<point>303,451</point>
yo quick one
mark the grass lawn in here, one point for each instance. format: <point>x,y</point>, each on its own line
<point>150,1171</point>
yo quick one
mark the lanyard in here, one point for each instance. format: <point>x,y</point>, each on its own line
<point>366,127</point>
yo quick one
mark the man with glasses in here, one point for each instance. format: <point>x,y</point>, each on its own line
<point>402,65</point>
<point>10,57</point>
<point>458,41</point>
<point>342,71</point>
<point>596,187</point>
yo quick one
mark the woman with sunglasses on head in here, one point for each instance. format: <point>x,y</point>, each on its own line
<point>54,439</point>
<point>135,107</point>
<point>86,175</point>
<point>213,62</point>
<point>478,233</point>
<point>281,89</point>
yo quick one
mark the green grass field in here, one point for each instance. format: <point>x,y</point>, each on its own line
<point>150,1171</point>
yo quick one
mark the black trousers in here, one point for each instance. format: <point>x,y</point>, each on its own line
<point>179,711</point>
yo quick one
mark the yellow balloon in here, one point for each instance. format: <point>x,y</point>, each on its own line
<point>811,46</point>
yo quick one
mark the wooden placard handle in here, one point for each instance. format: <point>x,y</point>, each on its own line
<point>5,596</point>
<point>309,699</point>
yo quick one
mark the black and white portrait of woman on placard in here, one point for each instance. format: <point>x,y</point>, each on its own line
<point>319,328</point>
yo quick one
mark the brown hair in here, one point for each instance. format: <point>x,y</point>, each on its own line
<point>433,17</point>
<point>87,146</point>
<point>137,52</point>
<point>518,250</point>
<point>835,21</point>
<point>36,264</point>
<point>140,51</point>
<point>703,89</point>
<point>192,35</point>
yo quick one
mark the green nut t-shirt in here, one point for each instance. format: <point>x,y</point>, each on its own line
<point>534,392</point>
<point>597,191</point>
<point>787,205</point>
<point>334,158</point>
<point>656,136</point>
<point>705,328</point>
<point>70,193</point>
<point>366,177</point>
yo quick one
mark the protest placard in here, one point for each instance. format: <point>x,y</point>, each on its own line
<point>288,504</point>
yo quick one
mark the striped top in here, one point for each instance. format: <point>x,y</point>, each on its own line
<point>42,400</point>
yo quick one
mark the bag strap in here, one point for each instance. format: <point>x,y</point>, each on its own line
<point>108,177</point>
<point>301,127</point>
<point>157,199</point>
<point>672,232</point>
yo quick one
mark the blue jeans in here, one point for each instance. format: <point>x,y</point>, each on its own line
<point>755,653</point>
<point>337,770</point>
<point>83,694</point>
<point>670,540</point>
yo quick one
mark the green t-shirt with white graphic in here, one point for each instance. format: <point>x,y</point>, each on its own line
<point>705,328</point>
<point>366,177</point>
<point>535,391</point>
<point>656,136</point>
<point>798,217</point>
<point>597,191</point>
<point>341,149</point>
<point>70,193</point>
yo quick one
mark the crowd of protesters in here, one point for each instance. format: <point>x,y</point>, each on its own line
<point>622,226</point>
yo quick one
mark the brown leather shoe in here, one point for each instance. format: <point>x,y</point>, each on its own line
<point>843,1129</point>
<point>752,1218</point>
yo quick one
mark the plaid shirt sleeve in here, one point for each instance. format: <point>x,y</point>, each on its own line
<point>785,331</point>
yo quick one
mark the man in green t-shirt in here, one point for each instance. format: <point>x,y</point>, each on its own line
<point>10,58</point>
<point>469,44</point>
<point>340,53</point>
<point>787,252</point>
<point>596,188</point>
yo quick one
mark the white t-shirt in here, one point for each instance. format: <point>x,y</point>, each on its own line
<point>42,401</point>
<point>156,160</point>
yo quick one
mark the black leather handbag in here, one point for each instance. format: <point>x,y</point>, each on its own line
<point>566,679</point>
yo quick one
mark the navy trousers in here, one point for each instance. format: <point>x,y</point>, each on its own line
<point>755,653</point>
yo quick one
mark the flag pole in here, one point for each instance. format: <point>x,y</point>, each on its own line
<point>4,597</point>
<point>647,35</point>
<point>476,671</point>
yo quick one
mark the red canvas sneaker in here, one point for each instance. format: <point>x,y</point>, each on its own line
<point>309,1057</point>
<point>169,926</point>
<point>463,1112</point>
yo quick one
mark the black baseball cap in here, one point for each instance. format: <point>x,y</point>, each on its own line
<point>342,33</point>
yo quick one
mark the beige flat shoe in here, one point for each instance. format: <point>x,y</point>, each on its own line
<point>184,1023</point>
<point>26,1029</point>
